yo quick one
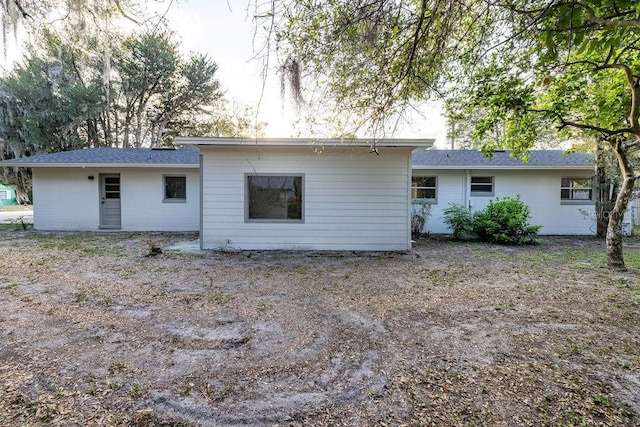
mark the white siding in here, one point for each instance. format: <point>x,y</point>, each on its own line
<point>66,199</point>
<point>353,199</point>
<point>539,189</point>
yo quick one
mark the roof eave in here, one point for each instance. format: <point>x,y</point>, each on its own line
<point>295,142</point>
<point>498,167</point>
<point>99,165</point>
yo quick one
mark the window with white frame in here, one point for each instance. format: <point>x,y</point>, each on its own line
<point>175,188</point>
<point>424,187</point>
<point>274,197</point>
<point>576,190</point>
<point>482,186</point>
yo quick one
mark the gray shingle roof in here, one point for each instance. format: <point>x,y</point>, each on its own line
<point>120,156</point>
<point>501,159</point>
<point>187,156</point>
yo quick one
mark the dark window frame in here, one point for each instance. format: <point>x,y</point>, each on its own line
<point>291,205</point>
<point>177,195</point>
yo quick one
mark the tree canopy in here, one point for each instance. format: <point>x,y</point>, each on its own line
<point>377,57</point>
<point>74,16</point>
<point>513,68</point>
<point>64,97</point>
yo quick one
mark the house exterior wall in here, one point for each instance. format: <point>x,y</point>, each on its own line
<point>65,199</point>
<point>7,195</point>
<point>353,199</point>
<point>539,189</point>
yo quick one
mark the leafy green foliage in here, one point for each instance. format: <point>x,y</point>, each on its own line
<point>460,220</point>
<point>505,220</point>
<point>65,97</point>
<point>510,69</point>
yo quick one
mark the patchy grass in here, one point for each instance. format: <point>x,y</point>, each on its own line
<point>96,333</point>
<point>16,208</point>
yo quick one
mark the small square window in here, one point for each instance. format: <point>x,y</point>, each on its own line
<point>175,188</point>
<point>482,186</point>
<point>424,187</point>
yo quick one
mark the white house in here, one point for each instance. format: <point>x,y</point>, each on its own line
<point>305,194</point>
<point>558,188</point>
<point>115,189</point>
<point>245,194</point>
<point>299,193</point>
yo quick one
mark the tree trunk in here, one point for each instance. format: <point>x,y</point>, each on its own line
<point>615,257</point>
<point>93,135</point>
<point>126,126</point>
<point>602,203</point>
<point>138,131</point>
<point>603,193</point>
<point>21,180</point>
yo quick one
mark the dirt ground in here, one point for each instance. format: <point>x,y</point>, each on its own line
<point>93,332</point>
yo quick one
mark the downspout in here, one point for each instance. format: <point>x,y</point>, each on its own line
<point>466,179</point>
<point>409,207</point>
<point>201,161</point>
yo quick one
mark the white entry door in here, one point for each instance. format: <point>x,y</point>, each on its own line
<point>110,201</point>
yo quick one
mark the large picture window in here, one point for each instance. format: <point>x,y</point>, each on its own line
<point>274,197</point>
<point>576,190</point>
<point>423,187</point>
<point>175,188</point>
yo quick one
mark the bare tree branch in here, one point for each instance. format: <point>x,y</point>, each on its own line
<point>125,14</point>
<point>24,13</point>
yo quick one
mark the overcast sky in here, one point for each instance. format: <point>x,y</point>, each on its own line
<point>224,31</point>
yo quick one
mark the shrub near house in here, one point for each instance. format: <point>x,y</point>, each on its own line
<point>459,220</point>
<point>504,220</point>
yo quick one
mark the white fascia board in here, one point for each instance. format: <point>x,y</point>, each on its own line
<point>287,142</point>
<point>440,167</point>
<point>99,165</point>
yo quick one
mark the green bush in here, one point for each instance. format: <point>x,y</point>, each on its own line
<point>460,220</point>
<point>505,220</point>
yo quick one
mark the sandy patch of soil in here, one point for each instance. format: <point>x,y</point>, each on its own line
<point>93,332</point>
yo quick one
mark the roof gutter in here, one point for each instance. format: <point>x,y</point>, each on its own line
<point>498,167</point>
<point>98,165</point>
<point>288,142</point>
